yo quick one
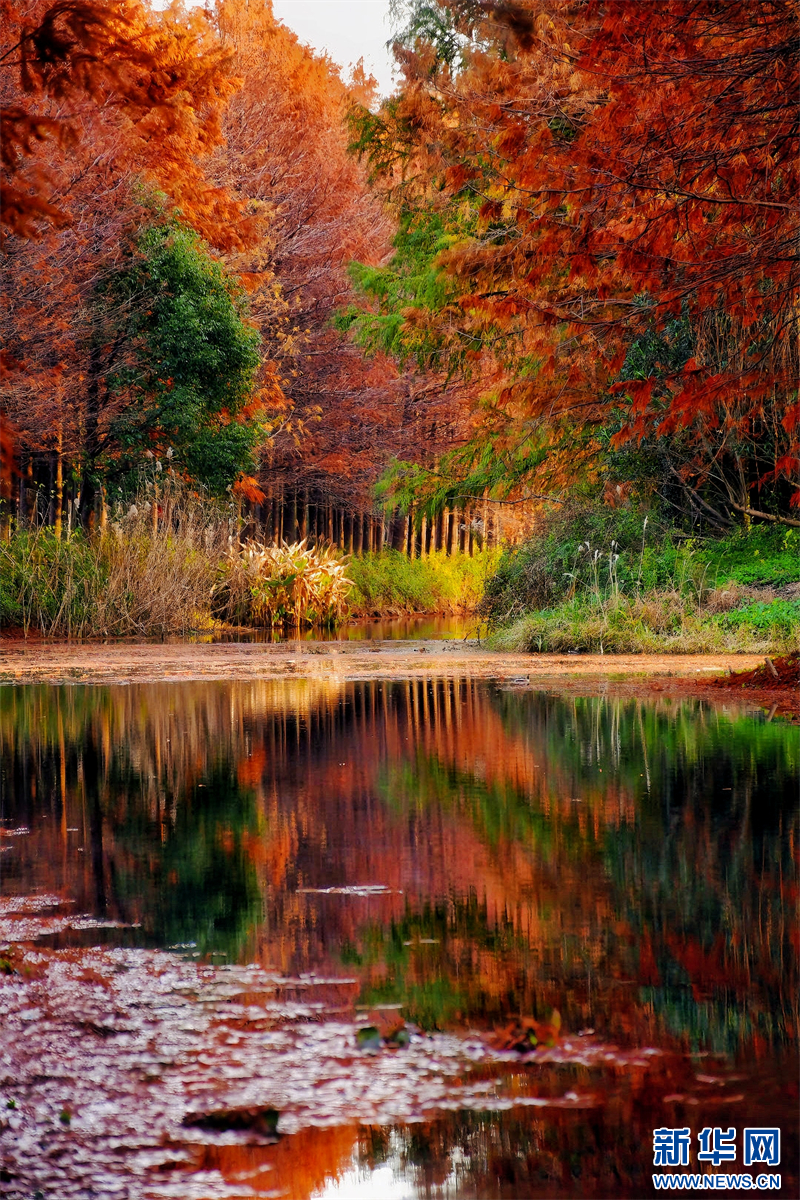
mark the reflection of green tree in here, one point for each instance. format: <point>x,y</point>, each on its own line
<point>641,744</point>
<point>499,811</point>
<point>715,797</point>
<point>438,983</point>
<point>167,844</point>
<point>427,962</point>
<point>196,881</point>
<point>716,904</point>
<point>41,714</point>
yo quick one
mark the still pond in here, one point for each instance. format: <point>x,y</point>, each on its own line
<point>387,939</point>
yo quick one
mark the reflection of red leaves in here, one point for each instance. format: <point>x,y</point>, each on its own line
<point>714,967</point>
<point>648,969</point>
<point>250,771</point>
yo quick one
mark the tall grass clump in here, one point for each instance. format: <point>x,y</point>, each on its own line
<point>287,585</point>
<point>391,583</point>
<point>48,584</point>
<point>149,572</point>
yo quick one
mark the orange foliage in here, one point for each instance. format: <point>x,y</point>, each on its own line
<point>242,129</point>
<point>110,104</point>
<point>247,488</point>
<point>160,83</point>
<point>285,154</point>
<point>624,163</point>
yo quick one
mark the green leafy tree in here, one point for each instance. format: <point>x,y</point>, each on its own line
<point>190,377</point>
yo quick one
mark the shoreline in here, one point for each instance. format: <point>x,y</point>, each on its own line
<point>689,675</point>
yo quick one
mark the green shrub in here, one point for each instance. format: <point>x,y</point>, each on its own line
<point>776,617</point>
<point>767,555</point>
<point>588,551</point>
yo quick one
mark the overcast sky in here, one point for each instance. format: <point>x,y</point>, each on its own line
<point>346,29</point>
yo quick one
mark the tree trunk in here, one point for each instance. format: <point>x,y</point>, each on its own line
<point>439,532</point>
<point>91,442</point>
<point>302,520</point>
<point>292,519</point>
<point>269,518</point>
<point>397,531</point>
<point>21,493</point>
<point>419,542</point>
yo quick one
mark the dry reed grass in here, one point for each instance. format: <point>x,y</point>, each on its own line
<point>150,572</point>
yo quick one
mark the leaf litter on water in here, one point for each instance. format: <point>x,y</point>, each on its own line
<point>158,1059</point>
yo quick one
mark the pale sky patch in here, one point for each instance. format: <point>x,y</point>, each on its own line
<point>346,30</point>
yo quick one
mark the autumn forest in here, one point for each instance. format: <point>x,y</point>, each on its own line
<point>554,273</point>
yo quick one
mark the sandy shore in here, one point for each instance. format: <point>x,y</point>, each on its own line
<point>64,662</point>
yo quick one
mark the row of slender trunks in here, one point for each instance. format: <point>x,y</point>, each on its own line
<point>281,517</point>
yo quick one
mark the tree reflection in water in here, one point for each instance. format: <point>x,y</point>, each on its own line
<point>626,862</point>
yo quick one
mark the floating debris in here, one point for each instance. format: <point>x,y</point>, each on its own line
<point>356,889</point>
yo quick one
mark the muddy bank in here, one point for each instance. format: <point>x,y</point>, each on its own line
<point>64,662</point>
<point>773,684</point>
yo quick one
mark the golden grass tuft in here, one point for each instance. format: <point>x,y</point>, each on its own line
<point>289,585</point>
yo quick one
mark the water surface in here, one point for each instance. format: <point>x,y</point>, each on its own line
<point>419,626</point>
<point>580,911</point>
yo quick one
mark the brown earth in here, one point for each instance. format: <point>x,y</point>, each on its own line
<point>772,675</point>
<point>774,683</point>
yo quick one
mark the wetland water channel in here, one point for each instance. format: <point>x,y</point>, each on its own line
<point>387,938</point>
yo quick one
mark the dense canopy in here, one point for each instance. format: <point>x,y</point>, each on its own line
<point>571,237</point>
